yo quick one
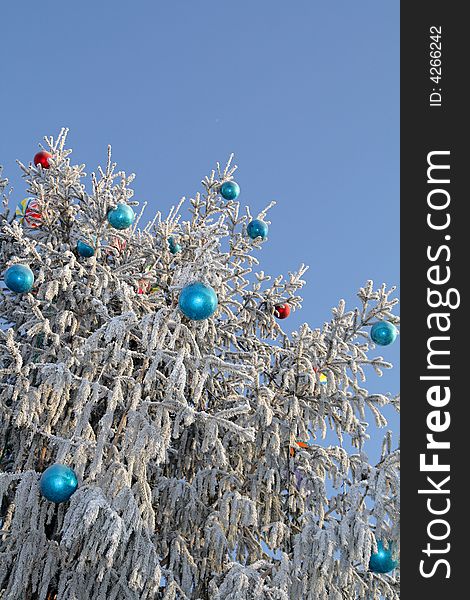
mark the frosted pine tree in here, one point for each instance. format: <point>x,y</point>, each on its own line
<point>202,448</point>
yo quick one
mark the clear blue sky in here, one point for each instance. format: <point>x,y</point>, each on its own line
<point>305,93</point>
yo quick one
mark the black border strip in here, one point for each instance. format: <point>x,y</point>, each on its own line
<point>434,266</point>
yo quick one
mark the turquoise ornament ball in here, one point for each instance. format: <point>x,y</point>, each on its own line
<point>58,483</point>
<point>121,217</point>
<point>230,190</point>
<point>198,301</point>
<point>382,561</point>
<point>19,279</point>
<point>173,245</point>
<point>257,228</point>
<point>85,249</point>
<point>383,333</point>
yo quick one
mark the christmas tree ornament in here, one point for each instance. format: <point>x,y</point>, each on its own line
<point>198,301</point>
<point>257,228</point>
<point>383,333</point>
<point>19,278</point>
<point>42,158</point>
<point>85,249</point>
<point>121,217</point>
<point>322,377</point>
<point>144,286</point>
<point>117,243</point>
<point>28,213</point>
<point>382,561</point>
<point>230,190</point>
<point>300,445</point>
<point>173,245</point>
<point>282,311</point>
<point>58,483</point>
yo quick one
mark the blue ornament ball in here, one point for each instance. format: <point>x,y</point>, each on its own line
<point>173,245</point>
<point>382,561</point>
<point>19,279</point>
<point>85,249</point>
<point>230,190</point>
<point>257,228</point>
<point>198,301</point>
<point>58,483</point>
<point>383,333</point>
<point>121,217</point>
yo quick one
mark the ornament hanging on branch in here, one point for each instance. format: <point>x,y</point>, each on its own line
<point>198,301</point>
<point>121,217</point>
<point>322,377</point>
<point>257,228</point>
<point>28,212</point>
<point>42,158</point>
<point>58,483</point>
<point>145,286</point>
<point>382,560</point>
<point>383,333</point>
<point>300,445</point>
<point>230,190</point>
<point>19,278</point>
<point>282,311</point>
<point>84,249</point>
<point>174,247</point>
<point>118,243</point>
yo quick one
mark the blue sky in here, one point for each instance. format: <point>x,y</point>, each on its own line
<point>306,94</point>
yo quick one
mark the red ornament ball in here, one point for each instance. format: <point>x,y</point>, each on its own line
<point>42,158</point>
<point>282,311</point>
